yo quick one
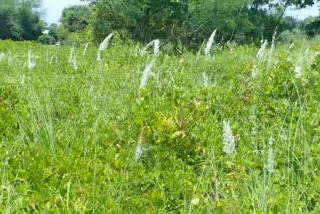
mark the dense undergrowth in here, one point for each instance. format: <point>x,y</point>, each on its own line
<point>69,137</point>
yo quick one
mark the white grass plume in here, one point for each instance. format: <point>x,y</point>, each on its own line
<point>72,59</point>
<point>9,58</point>
<point>228,138</point>
<point>147,73</point>
<point>2,56</point>
<point>23,78</point>
<point>298,71</point>
<point>270,161</point>
<point>262,49</point>
<point>104,45</point>
<point>52,59</point>
<point>205,79</point>
<point>254,73</point>
<point>31,62</point>
<point>85,49</point>
<point>273,44</point>
<point>156,47</point>
<point>291,45</point>
<point>198,55</point>
<point>99,56</point>
<point>71,55</point>
<point>75,64</point>
<point>210,43</point>
<point>139,149</point>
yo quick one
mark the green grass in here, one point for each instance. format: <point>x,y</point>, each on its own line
<point>68,137</point>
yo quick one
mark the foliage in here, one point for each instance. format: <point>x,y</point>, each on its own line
<point>47,39</point>
<point>68,136</point>
<point>288,37</point>
<point>313,28</point>
<point>190,22</point>
<point>19,21</point>
<point>75,18</point>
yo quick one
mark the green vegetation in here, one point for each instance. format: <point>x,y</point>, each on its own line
<point>86,139</point>
<point>186,23</point>
<point>73,28</point>
<point>182,25</point>
<point>19,21</point>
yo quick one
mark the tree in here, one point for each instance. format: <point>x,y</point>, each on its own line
<point>76,18</point>
<point>191,21</point>
<point>31,24</point>
<point>312,26</point>
<point>143,20</point>
<point>19,21</point>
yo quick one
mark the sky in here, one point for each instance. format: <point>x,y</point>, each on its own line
<point>52,10</point>
<point>304,13</point>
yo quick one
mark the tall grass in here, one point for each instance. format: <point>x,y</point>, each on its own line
<point>71,141</point>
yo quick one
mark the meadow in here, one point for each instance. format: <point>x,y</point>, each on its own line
<point>234,132</point>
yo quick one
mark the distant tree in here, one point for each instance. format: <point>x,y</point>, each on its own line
<point>76,18</point>
<point>19,21</point>
<point>47,39</point>
<point>6,22</point>
<point>313,27</point>
<point>31,24</point>
<point>190,22</point>
<point>142,20</point>
<point>59,33</point>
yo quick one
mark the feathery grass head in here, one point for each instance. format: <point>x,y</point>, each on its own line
<point>210,43</point>
<point>253,73</point>
<point>156,47</point>
<point>205,79</point>
<point>31,62</point>
<point>273,44</point>
<point>51,60</point>
<point>270,162</point>
<point>298,71</point>
<point>139,149</point>
<point>71,55</point>
<point>228,138</point>
<point>291,45</point>
<point>9,58</point>
<point>85,49</point>
<point>105,44</point>
<point>147,73</point>
<point>2,56</point>
<point>261,51</point>
<point>22,79</point>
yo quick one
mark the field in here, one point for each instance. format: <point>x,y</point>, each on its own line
<point>82,136</point>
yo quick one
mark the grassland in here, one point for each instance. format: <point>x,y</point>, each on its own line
<point>88,140</point>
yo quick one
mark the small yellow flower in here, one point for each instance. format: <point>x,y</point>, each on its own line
<point>219,204</point>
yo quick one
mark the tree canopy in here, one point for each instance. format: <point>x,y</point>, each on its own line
<point>19,20</point>
<point>186,22</point>
<point>191,21</point>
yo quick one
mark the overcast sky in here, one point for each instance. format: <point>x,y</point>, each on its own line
<point>52,10</point>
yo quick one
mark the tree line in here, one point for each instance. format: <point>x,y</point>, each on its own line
<point>19,20</point>
<point>185,23</point>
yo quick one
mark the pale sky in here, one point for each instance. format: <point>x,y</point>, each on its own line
<point>304,13</point>
<point>52,10</point>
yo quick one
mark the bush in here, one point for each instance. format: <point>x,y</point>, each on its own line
<point>47,40</point>
<point>291,36</point>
